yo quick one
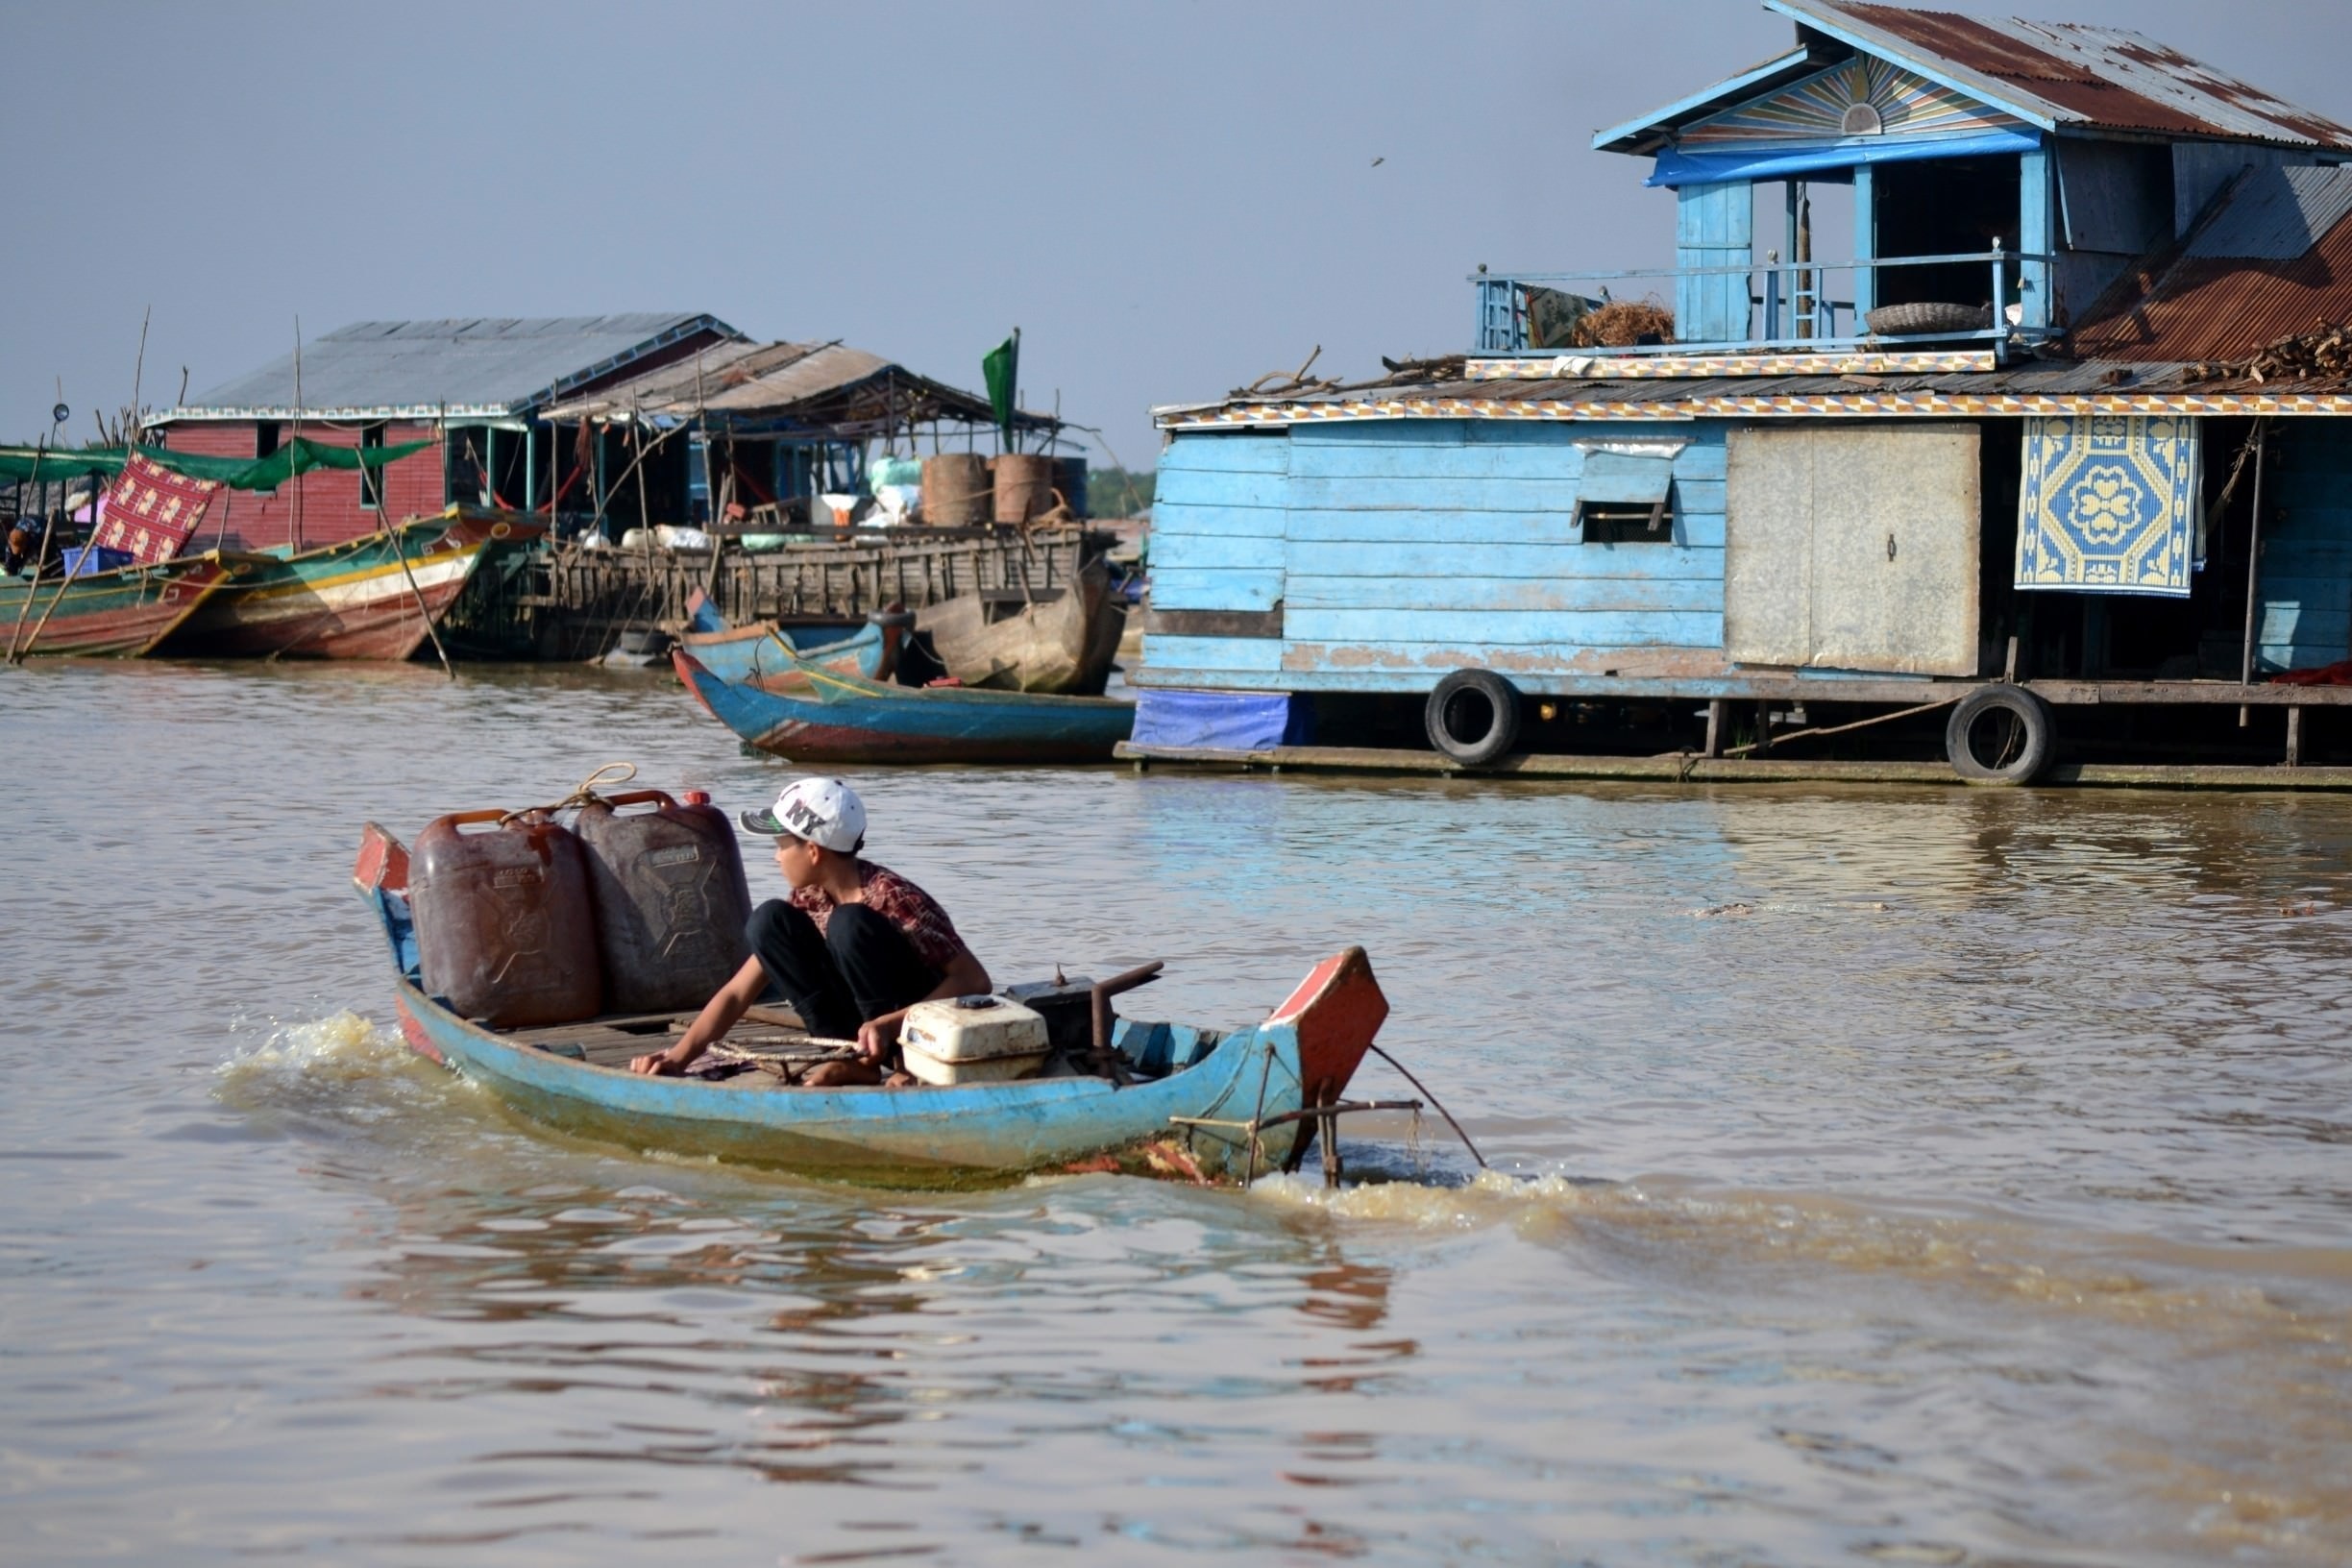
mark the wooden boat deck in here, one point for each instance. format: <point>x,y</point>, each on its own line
<point>611,1041</point>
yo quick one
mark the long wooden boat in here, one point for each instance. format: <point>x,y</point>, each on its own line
<point>843,719</point>
<point>1060,643</point>
<point>365,599</point>
<point>1199,1098</point>
<point>123,613</point>
<point>772,657</point>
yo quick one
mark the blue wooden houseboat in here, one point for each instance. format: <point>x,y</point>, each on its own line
<point>2044,453</point>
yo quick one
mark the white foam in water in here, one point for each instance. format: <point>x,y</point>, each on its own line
<point>341,1044</point>
<point>1489,1198</point>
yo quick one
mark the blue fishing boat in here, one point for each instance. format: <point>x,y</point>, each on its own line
<point>845,719</point>
<point>1201,1103</point>
<point>769,655</point>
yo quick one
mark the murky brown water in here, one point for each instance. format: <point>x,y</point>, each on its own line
<point>1913,1177</point>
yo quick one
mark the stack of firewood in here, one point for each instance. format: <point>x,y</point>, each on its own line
<point>2312,356</point>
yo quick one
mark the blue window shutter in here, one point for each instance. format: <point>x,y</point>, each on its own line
<point>1714,227</point>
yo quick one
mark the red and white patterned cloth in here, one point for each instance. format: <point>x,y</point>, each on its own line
<point>915,913</point>
<point>151,511</point>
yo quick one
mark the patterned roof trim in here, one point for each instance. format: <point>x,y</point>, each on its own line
<point>1837,405</point>
<point>1683,367</point>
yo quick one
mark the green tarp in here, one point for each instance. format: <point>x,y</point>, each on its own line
<point>300,455</point>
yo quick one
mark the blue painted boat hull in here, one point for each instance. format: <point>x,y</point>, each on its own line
<point>769,656</point>
<point>1310,1046</point>
<point>842,719</point>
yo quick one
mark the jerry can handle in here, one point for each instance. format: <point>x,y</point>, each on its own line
<point>459,818</point>
<point>638,797</point>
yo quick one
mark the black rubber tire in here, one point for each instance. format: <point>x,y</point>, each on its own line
<point>1462,700</point>
<point>904,620</point>
<point>2028,743</point>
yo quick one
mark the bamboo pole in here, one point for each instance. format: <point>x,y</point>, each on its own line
<point>400,555</point>
<point>2253,614</point>
<point>33,583</point>
<point>66,581</point>
<point>297,523</point>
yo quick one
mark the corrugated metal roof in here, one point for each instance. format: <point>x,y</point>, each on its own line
<point>1943,393</point>
<point>2275,214</point>
<point>474,366</point>
<point>2068,75</point>
<point>2054,376</point>
<point>2241,280</point>
<point>740,384</point>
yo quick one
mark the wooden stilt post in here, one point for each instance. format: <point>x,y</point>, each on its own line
<point>1719,713</point>
<point>2295,737</point>
<point>2253,611</point>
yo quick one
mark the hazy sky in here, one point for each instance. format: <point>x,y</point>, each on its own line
<point>1168,199</point>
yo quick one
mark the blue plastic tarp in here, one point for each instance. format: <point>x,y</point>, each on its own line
<point>1675,168</point>
<point>87,560</point>
<point>1221,720</point>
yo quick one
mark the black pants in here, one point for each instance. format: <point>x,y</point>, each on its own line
<point>860,967</point>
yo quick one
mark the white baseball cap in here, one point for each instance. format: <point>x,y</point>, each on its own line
<point>823,811</point>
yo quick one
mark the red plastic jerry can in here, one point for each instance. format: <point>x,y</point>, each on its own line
<point>504,927</point>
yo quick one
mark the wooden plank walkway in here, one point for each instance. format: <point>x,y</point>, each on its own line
<point>1692,769</point>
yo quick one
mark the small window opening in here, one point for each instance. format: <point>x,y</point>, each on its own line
<point>371,477</point>
<point>1625,523</point>
<point>1626,498</point>
<point>265,438</point>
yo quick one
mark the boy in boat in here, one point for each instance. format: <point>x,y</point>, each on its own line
<point>851,950</point>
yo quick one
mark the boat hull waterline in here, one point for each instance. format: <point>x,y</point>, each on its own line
<point>120,614</point>
<point>842,719</point>
<point>364,599</point>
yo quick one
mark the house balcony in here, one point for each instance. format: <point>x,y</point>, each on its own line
<point>1997,299</point>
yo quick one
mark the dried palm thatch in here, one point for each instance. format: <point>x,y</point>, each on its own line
<point>1621,324</point>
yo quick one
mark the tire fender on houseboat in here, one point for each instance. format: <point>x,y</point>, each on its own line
<point>1472,717</point>
<point>2000,735</point>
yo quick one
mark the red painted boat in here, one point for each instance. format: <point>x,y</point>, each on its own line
<point>365,599</point>
<point>124,613</point>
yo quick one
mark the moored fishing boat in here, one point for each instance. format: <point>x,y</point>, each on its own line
<point>1203,1103</point>
<point>843,719</point>
<point>770,656</point>
<point>124,613</point>
<point>371,598</point>
<point>1061,643</point>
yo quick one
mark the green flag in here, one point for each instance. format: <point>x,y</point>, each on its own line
<point>1001,365</point>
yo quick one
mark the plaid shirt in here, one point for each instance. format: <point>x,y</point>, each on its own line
<point>915,913</point>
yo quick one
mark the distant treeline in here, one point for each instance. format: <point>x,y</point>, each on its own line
<point>1114,492</point>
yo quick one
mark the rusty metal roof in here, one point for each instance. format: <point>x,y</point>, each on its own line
<point>2271,259</point>
<point>2069,76</point>
<point>2073,385</point>
<point>847,391</point>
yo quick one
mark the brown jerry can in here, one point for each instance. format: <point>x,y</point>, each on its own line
<point>671,900</point>
<point>504,928</point>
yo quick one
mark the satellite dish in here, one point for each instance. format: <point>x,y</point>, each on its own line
<point>60,414</point>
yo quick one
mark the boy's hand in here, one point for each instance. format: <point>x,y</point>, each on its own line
<point>876,1037</point>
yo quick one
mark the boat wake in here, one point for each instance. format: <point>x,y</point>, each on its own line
<point>343,1043</point>
<point>2127,1280</point>
<point>344,1069</point>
